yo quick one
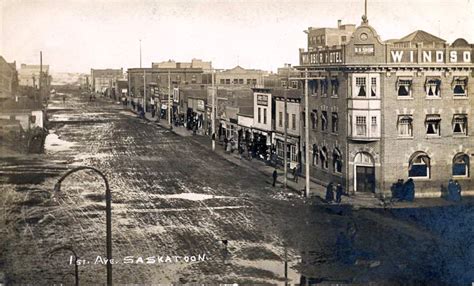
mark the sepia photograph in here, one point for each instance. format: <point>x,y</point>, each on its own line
<point>236,142</point>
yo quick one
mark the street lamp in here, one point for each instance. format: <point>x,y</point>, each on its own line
<point>108,213</point>
<point>76,267</point>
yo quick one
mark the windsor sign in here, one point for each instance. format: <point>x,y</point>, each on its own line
<point>430,56</point>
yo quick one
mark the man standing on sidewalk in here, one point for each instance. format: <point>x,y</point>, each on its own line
<point>275,176</point>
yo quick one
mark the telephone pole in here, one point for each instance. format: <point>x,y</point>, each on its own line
<point>285,143</point>
<point>213,113</point>
<point>169,98</point>
<point>40,75</point>
<point>306,135</point>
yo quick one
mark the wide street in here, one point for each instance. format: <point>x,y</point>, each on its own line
<point>172,197</point>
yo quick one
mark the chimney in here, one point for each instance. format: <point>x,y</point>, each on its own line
<point>339,22</point>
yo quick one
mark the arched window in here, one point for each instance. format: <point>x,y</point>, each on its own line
<point>337,161</point>
<point>315,155</point>
<point>461,165</point>
<point>324,158</point>
<point>419,165</point>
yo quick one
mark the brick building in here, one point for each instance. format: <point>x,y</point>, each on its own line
<point>388,110</point>
<point>241,76</point>
<point>105,80</point>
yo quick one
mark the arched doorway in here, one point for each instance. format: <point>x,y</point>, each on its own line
<point>364,173</point>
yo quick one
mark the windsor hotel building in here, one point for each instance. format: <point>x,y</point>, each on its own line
<point>388,110</point>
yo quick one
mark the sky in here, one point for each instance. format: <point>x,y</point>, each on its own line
<point>77,35</point>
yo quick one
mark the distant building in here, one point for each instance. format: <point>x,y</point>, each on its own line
<point>383,111</point>
<point>284,76</point>
<point>241,76</point>
<point>8,79</point>
<point>194,64</point>
<point>105,80</point>
<point>29,75</point>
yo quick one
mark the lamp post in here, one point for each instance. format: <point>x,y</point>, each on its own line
<point>108,213</point>
<point>76,267</point>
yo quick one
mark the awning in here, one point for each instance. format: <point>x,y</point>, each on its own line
<point>459,118</point>
<point>459,80</point>
<point>406,118</point>
<point>403,80</point>
<point>433,118</point>
<point>433,80</point>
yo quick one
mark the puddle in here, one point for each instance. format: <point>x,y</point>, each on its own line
<point>193,196</point>
<point>53,143</point>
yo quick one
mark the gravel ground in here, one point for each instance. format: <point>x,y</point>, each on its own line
<point>172,197</point>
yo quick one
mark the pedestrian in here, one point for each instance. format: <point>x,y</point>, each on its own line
<point>64,98</point>
<point>452,190</point>
<point>409,190</point>
<point>194,128</point>
<point>295,174</point>
<point>339,193</point>
<point>275,176</point>
<point>458,191</point>
<point>398,190</point>
<point>329,193</point>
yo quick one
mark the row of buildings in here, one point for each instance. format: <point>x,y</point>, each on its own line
<point>379,110</point>
<point>22,113</point>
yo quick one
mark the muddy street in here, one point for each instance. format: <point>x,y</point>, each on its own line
<point>175,200</point>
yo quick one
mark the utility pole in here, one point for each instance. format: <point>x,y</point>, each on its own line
<point>306,135</point>
<point>144,91</point>
<point>169,98</point>
<point>213,113</point>
<point>285,143</point>
<point>40,75</point>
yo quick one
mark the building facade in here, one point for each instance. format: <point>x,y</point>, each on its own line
<point>292,121</point>
<point>241,76</point>
<point>8,79</point>
<point>105,80</point>
<point>29,75</point>
<point>383,111</point>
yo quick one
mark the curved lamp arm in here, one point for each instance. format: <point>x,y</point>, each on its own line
<point>108,213</point>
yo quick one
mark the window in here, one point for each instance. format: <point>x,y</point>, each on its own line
<point>280,151</point>
<point>264,116</point>
<point>293,123</point>
<point>314,119</point>
<point>405,126</point>
<point>286,120</point>
<point>193,79</point>
<point>373,125</point>
<point>249,81</point>
<point>361,86</point>
<point>343,39</point>
<point>337,161</point>
<point>227,81</point>
<point>222,81</point>
<point>334,86</point>
<point>324,158</point>
<point>313,87</point>
<point>304,119</point>
<point>432,123</point>
<point>459,86</point>
<point>293,153</point>
<point>259,115</point>
<point>419,166</point>
<point>335,122</point>
<point>315,155</point>
<point>460,124</point>
<point>361,126</point>
<point>404,87</point>
<point>235,81</point>
<point>324,120</point>
<point>461,165</point>
<point>280,119</point>
<point>254,82</point>
<point>433,86</point>
<point>373,87</point>
<point>241,81</point>
<point>324,87</point>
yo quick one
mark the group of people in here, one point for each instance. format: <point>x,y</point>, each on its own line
<point>330,190</point>
<point>403,191</point>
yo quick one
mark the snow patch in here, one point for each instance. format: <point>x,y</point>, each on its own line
<point>53,143</point>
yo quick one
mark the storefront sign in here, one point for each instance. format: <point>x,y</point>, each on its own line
<point>364,50</point>
<point>262,99</point>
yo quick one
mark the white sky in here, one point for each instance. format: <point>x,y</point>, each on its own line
<point>76,35</point>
